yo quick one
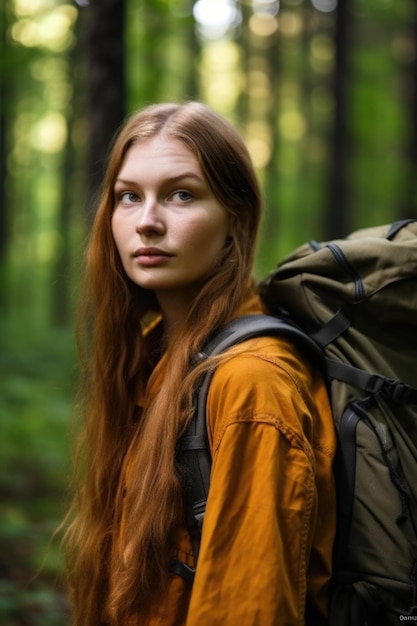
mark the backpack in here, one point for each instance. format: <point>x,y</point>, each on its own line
<point>351,304</point>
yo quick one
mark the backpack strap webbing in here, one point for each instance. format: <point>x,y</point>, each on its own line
<point>388,388</point>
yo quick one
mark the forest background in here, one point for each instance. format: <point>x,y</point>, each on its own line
<point>323,91</point>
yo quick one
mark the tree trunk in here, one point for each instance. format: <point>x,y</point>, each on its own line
<point>105,83</point>
<point>408,206</point>
<point>62,267</point>
<point>4,105</point>
<point>336,216</point>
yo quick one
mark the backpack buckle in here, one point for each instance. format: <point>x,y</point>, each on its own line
<point>199,510</point>
<point>395,390</point>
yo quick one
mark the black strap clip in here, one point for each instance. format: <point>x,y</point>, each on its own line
<point>182,569</point>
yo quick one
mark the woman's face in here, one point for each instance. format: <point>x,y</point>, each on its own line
<point>167,224</point>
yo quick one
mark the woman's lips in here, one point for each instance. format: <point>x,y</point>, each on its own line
<point>151,256</point>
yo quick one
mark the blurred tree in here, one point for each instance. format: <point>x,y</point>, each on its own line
<point>162,51</point>
<point>193,50</point>
<point>408,206</point>
<point>5,100</point>
<point>106,84</point>
<point>336,218</point>
<point>71,193</point>
<point>260,111</point>
<point>149,61</point>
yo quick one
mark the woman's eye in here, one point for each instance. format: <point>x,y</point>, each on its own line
<point>182,196</point>
<point>128,197</point>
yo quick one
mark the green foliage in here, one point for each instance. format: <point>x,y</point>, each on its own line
<point>37,607</point>
<point>36,385</point>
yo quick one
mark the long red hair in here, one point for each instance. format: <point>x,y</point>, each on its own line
<point>114,314</point>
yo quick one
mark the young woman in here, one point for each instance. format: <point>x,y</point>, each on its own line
<point>169,261</point>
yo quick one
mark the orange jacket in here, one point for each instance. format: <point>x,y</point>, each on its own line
<point>269,525</point>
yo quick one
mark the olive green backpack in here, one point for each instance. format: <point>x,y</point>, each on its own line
<point>356,299</point>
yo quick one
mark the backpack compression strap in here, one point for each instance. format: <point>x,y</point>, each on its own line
<point>389,388</point>
<point>373,383</point>
<point>193,448</point>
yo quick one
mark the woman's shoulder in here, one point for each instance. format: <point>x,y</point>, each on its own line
<point>268,376</point>
<point>271,382</point>
<point>262,360</point>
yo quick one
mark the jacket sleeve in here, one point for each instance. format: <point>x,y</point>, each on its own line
<point>263,505</point>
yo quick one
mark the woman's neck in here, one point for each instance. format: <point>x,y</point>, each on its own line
<point>174,312</point>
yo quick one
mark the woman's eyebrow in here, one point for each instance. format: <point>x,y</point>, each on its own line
<point>169,180</point>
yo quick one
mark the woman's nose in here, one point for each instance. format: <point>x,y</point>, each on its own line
<point>150,219</point>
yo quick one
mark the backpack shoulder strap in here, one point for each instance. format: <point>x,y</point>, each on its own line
<point>194,454</point>
<point>238,331</point>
